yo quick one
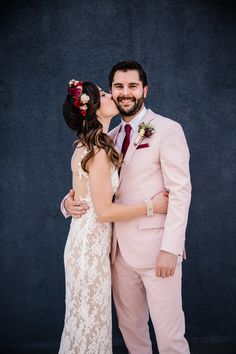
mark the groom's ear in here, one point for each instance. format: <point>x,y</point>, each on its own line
<point>145,91</point>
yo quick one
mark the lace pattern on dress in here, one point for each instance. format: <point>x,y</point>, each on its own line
<point>87,326</point>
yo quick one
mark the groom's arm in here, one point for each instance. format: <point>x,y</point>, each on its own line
<point>174,154</point>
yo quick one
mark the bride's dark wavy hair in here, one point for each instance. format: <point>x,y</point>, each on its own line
<point>88,128</point>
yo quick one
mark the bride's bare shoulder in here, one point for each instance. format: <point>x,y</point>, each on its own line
<point>100,159</point>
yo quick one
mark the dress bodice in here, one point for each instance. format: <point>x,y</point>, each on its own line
<point>81,178</point>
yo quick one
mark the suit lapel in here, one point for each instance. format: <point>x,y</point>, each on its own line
<point>132,147</point>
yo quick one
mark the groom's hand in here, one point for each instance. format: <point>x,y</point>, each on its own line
<point>75,208</point>
<point>166,264</point>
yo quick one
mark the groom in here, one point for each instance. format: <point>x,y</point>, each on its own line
<point>147,252</point>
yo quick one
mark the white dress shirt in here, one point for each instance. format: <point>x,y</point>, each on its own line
<point>134,124</point>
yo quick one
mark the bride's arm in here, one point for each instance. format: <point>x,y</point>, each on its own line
<point>101,192</point>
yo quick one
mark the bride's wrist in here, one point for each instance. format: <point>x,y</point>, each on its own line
<point>149,207</point>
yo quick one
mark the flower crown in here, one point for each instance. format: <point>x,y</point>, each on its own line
<point>75,90</point>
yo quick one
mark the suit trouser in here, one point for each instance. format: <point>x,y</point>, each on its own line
<point>136,293</point>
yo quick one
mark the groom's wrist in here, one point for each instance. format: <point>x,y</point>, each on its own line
<point>63,209</point>
<point>64,204</point>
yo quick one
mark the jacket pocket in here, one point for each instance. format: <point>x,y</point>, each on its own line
<point>152,222</point>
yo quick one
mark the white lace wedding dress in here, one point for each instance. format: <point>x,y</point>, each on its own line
<point>87,327</point>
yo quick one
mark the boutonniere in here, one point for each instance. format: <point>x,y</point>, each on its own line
<point>144,131</point>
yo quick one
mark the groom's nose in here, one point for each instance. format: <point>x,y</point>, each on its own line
<point>125,90</point>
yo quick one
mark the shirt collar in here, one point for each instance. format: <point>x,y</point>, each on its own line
<point>136,120</point>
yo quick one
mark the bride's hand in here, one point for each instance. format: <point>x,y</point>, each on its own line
<point>160,203</point>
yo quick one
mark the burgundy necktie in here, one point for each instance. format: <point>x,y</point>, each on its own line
<point>126,141</point>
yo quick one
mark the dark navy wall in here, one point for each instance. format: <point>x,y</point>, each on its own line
<point>188,52</point>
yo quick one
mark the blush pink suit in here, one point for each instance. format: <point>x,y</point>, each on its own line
<point>163,165</point>
<point>146,171</point>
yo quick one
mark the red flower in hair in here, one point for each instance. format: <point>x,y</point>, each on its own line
<point>77,103</point>
<point>83,112</point>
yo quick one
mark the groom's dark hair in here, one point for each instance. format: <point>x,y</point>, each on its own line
<point>125,66</point>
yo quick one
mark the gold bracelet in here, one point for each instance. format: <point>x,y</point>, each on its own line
<point>149,207</point>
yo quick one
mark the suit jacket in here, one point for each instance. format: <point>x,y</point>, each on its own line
<point>159,162</point>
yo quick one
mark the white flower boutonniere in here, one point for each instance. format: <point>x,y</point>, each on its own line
<point>144,131</point>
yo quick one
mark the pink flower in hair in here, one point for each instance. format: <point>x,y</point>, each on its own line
<point>84,98</point>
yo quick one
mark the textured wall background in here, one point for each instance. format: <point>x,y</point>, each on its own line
<point>187,49</point>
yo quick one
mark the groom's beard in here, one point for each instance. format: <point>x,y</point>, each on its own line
<point>134,107</point>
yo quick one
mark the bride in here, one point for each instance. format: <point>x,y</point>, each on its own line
<point>95,164</point>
